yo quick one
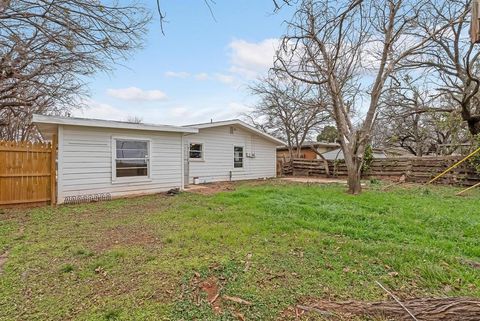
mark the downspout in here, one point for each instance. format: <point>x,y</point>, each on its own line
<point>182,163</point>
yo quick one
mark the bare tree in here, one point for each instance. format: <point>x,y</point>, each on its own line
<point>351,48</point>
<point>439,133</point>
<point>288,109</point>
<point>451,58</point>
<point>134,119</point>
<point>412,115</point>
<point>47,48</point>
<point>277,4</point>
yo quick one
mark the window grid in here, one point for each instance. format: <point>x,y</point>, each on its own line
<point>195,151</point>
<point>238,157</point>
<point>131,158</point>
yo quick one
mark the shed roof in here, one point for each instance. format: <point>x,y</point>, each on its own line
<point>45,124</point>
<point>238,122</point>
<point>87,122</point>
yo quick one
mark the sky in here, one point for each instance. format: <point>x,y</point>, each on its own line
<point>198,71</point>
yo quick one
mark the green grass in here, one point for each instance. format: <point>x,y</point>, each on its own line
<point>136,259</point>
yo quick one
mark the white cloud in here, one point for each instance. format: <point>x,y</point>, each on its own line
<point>250,59</point>
<point>226,79</point>
<point>137,94</point>
<point>177,74</point>
<point>97,110</point>
<point>202,76</point>
<point>170,115</point>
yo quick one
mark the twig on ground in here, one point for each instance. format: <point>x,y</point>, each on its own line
<point>236,300</point>
<point>397,300</point>
<point>215,297</point>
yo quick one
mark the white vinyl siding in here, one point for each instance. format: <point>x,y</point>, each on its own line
<point>87,160</point>
<point>218,164</point>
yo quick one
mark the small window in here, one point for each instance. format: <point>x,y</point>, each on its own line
<point>196,151</point>
<point>131,158</point>
<point>238,156</point>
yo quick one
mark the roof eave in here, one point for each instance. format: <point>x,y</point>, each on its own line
<point>240,123</point>
<point>42,119</point>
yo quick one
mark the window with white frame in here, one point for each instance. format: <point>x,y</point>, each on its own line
<point>132,158</point>
<point>237,156</point>
<point>195,151</point>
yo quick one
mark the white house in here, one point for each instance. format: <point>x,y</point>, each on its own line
<point>121,158</point>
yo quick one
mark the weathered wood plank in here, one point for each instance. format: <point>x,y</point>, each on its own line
<point>416,169</point>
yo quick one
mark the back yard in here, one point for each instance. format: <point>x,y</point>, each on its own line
<point>273,244</point>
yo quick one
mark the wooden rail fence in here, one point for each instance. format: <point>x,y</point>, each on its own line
<point>415,169</point>
<point>27,172</point>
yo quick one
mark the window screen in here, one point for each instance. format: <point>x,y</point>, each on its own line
<point>237,156</point>
<point>196,151</point>
<point>132,158</point>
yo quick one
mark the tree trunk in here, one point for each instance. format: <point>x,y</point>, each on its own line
<point>354,169</point>
<point>474,126</point>
<point>473,121</point>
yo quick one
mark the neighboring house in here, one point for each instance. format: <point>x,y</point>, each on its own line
<point>337,154</point>
<point>121,158</point>
<point>307,150</point>
<point>397,152</point>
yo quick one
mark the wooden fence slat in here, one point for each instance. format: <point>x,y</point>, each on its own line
<point>416,169</point>
<point>27,172</point>
<point>53,165</point>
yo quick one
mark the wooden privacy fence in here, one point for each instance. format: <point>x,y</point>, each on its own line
<point>27,172</point>
<point>415,169</point>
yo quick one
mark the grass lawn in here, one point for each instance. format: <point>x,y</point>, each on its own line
<point>273,244</point>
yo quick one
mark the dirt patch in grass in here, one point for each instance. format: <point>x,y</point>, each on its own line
<point>314,180</point>
<point>211,188</point>
<point>212,289</point>
<point>217,187</point>
<point>126,236</point>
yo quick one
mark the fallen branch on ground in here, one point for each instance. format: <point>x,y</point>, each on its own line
<point>316,310</point>
<point>425,309</point>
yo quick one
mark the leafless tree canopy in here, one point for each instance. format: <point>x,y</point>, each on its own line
<point>412,115</point>
<point>451,59</point>
<point>277,4</point>
<point>288,109</point>
<point>47,48</point>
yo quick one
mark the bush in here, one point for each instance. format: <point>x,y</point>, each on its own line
<point>367,158</point>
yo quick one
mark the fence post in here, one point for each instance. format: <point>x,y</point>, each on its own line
<point>53,171</point>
